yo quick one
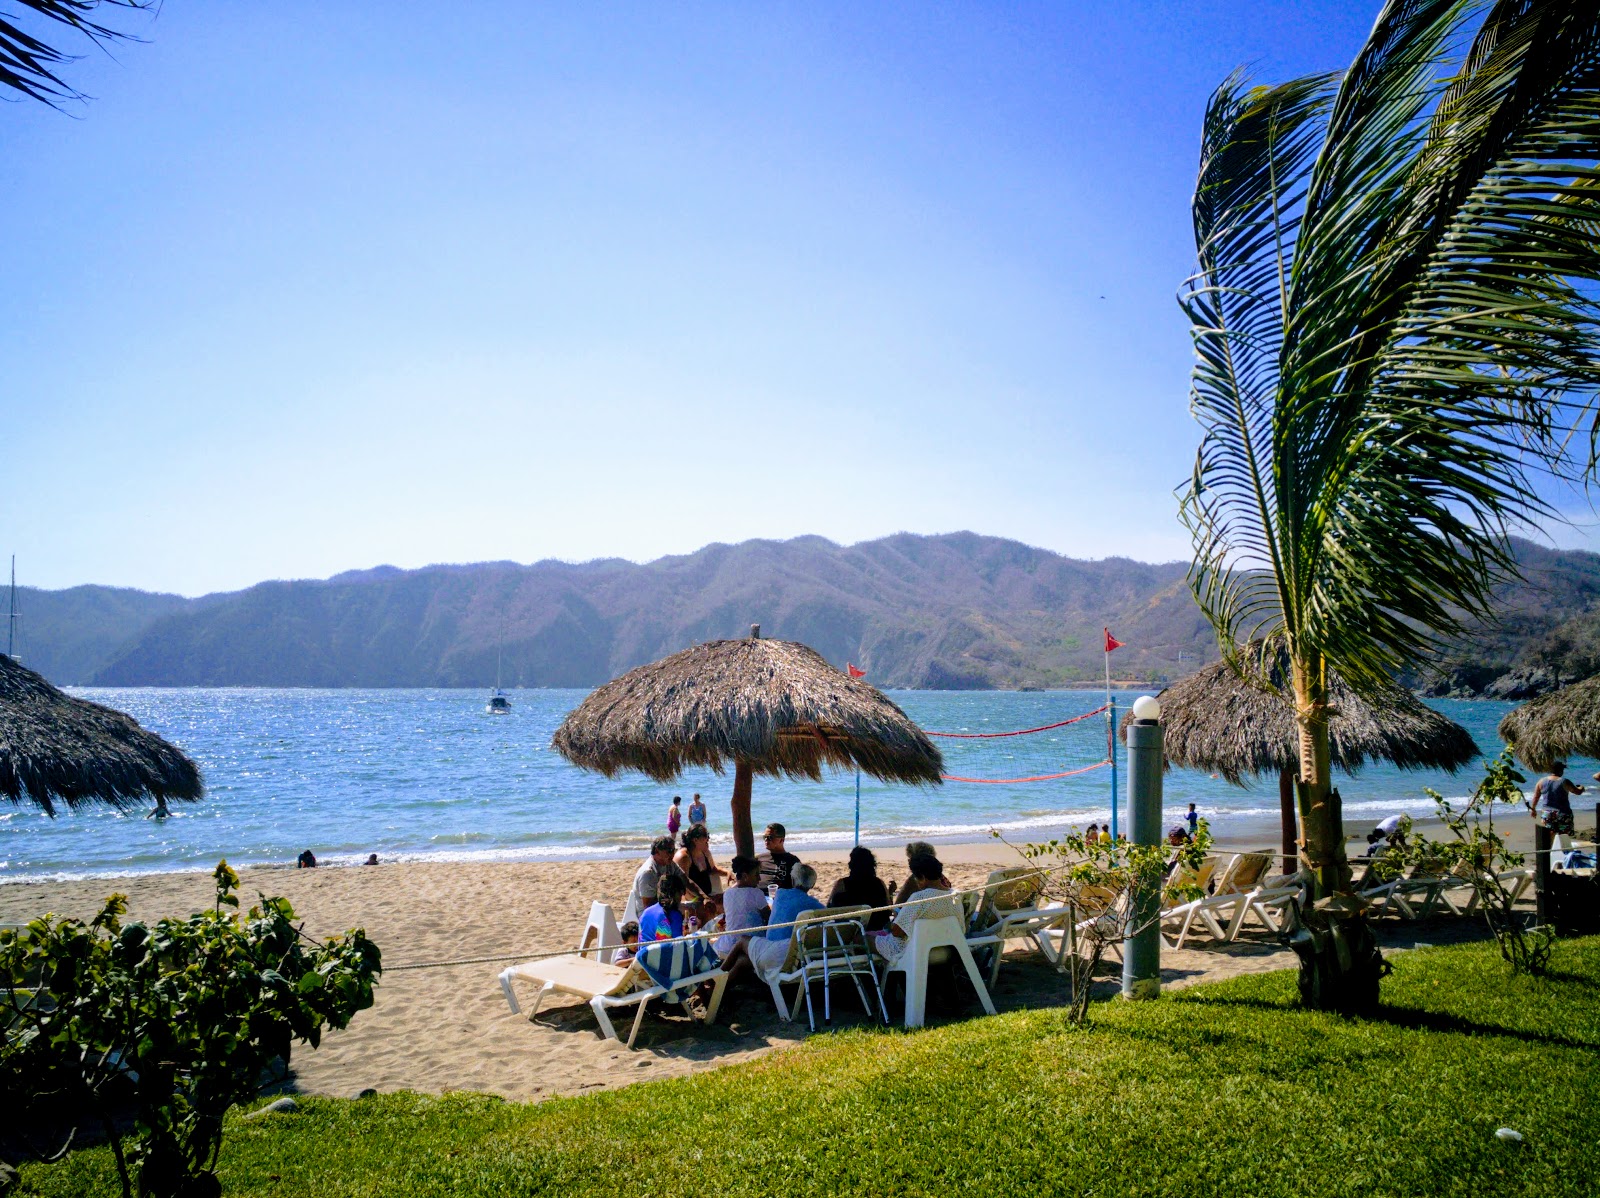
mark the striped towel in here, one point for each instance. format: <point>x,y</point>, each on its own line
<point>668,964</point>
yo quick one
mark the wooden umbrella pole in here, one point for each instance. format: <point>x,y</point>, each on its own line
<point>744,837</point>
<point>1291,849</point>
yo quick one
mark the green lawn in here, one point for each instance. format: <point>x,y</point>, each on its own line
<point>1223,1089</point>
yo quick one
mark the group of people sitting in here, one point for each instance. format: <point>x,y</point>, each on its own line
<point>760,898</point>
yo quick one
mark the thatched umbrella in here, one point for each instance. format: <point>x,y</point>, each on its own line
<point>57,748</point>
<point>1566,721</point>
<point>1216,721</point>
<point>770,707</point>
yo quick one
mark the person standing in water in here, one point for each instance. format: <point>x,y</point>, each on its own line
<point>697,812</point>
<point>674,816</point>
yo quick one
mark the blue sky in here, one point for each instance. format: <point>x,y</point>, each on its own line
<point>314,286</point>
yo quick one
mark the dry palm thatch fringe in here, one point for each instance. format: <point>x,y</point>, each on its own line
<point>1553,726</point>
<point>1218,722</point>
<point>775,706</point>
<point>54,748</point>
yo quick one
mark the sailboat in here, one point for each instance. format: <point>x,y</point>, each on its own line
<point>498,703</point>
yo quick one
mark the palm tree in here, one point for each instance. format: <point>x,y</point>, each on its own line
<point>29,62</point>
<point>1394,316</point>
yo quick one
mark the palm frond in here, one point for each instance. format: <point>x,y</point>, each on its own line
<point>1439,320</point>
<point>1256,156</point>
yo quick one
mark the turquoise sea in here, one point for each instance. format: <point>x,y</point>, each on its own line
<point>426,774</point>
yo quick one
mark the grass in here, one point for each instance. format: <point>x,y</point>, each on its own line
<point>1227,1088</point>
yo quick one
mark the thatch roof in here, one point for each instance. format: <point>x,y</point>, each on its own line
<point>775,706</point>
<point>54,748</point>
<point>1215,721</point>
<point>1551,727</point>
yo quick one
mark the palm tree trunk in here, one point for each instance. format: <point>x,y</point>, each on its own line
<point>1340,965</point>
<point>1322,833</point>
<point>744,837</point>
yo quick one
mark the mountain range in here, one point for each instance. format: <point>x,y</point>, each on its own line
<point>954,611</point>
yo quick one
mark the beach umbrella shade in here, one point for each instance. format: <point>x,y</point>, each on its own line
<point>57,749</point>
<point>1218,722</point>
<point>766,706</point>
<point>1565,722</point>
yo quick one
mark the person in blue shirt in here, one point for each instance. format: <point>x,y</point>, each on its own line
<point>767,952</point>
<point>1193,820</point>
<point>663,920</point>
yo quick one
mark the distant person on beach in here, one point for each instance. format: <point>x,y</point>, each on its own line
<point>777,862</point>
<point>372,859</point>
<point>1091,835</point>
<point>306,860</point>
<point>744,906</point>
<point>1193,820</point>
<point>926,882</point>
<point>160,812</point>
<point>697,811</point>
<point>647,881</point>
<point>674,816</point>
<point>1177,837</point>
<point>917,848</point>
<point>1105,835</point>
<point>1552,790</point>
<point>862,887</point>
<point>696,861</point>
<point>630,944</point>
<point>663,919</point>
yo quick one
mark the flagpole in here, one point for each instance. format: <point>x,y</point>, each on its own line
<point>1111,742</point>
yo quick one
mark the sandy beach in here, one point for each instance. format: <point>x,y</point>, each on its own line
<point>449,1028</point>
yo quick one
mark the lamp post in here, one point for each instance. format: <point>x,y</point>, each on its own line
<point>1141,957</point>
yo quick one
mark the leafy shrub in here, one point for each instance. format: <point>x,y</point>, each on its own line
<point>173,1023</point>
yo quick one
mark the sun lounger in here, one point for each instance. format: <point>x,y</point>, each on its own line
<point>827,944</point>
<point>679,968</point>
<point>1274,904</point>
<point>1222,912</point>
<point>1010,910</point>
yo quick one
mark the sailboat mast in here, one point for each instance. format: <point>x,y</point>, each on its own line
<point>11,622</point>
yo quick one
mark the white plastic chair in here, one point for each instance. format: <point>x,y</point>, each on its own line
<point>939,926</point>
<point>601,935</point>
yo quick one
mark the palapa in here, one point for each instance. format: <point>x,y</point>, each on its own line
<point>1218,722</point>
<point>768,706</point>
<point>54,748</point>
<point>1564,723</point>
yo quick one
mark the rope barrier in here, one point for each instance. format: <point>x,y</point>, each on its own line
<point>856,913</point>
<point>1036,778</point>
<point>1101,710</point>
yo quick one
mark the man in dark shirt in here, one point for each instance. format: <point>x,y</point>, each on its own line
<point>775,863</point>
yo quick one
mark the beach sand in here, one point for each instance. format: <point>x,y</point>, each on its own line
<point>449,1028</point>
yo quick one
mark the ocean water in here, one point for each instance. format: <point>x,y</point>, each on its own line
<point>426,774</point>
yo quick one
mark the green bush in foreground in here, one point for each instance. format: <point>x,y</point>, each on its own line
<point>171,1023</point>
<point>1228,1088</point>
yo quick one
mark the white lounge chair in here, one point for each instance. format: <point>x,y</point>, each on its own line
<point>1274,904</point>
<point>1221,912</point>
<point>1010,910</point>
<point>940,926</point>
<point>607,987</point>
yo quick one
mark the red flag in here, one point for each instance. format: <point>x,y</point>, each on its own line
<point>854,673</point>
<point>1111,641</point>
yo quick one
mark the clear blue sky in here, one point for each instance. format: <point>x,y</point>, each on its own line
<point>315,286</point>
